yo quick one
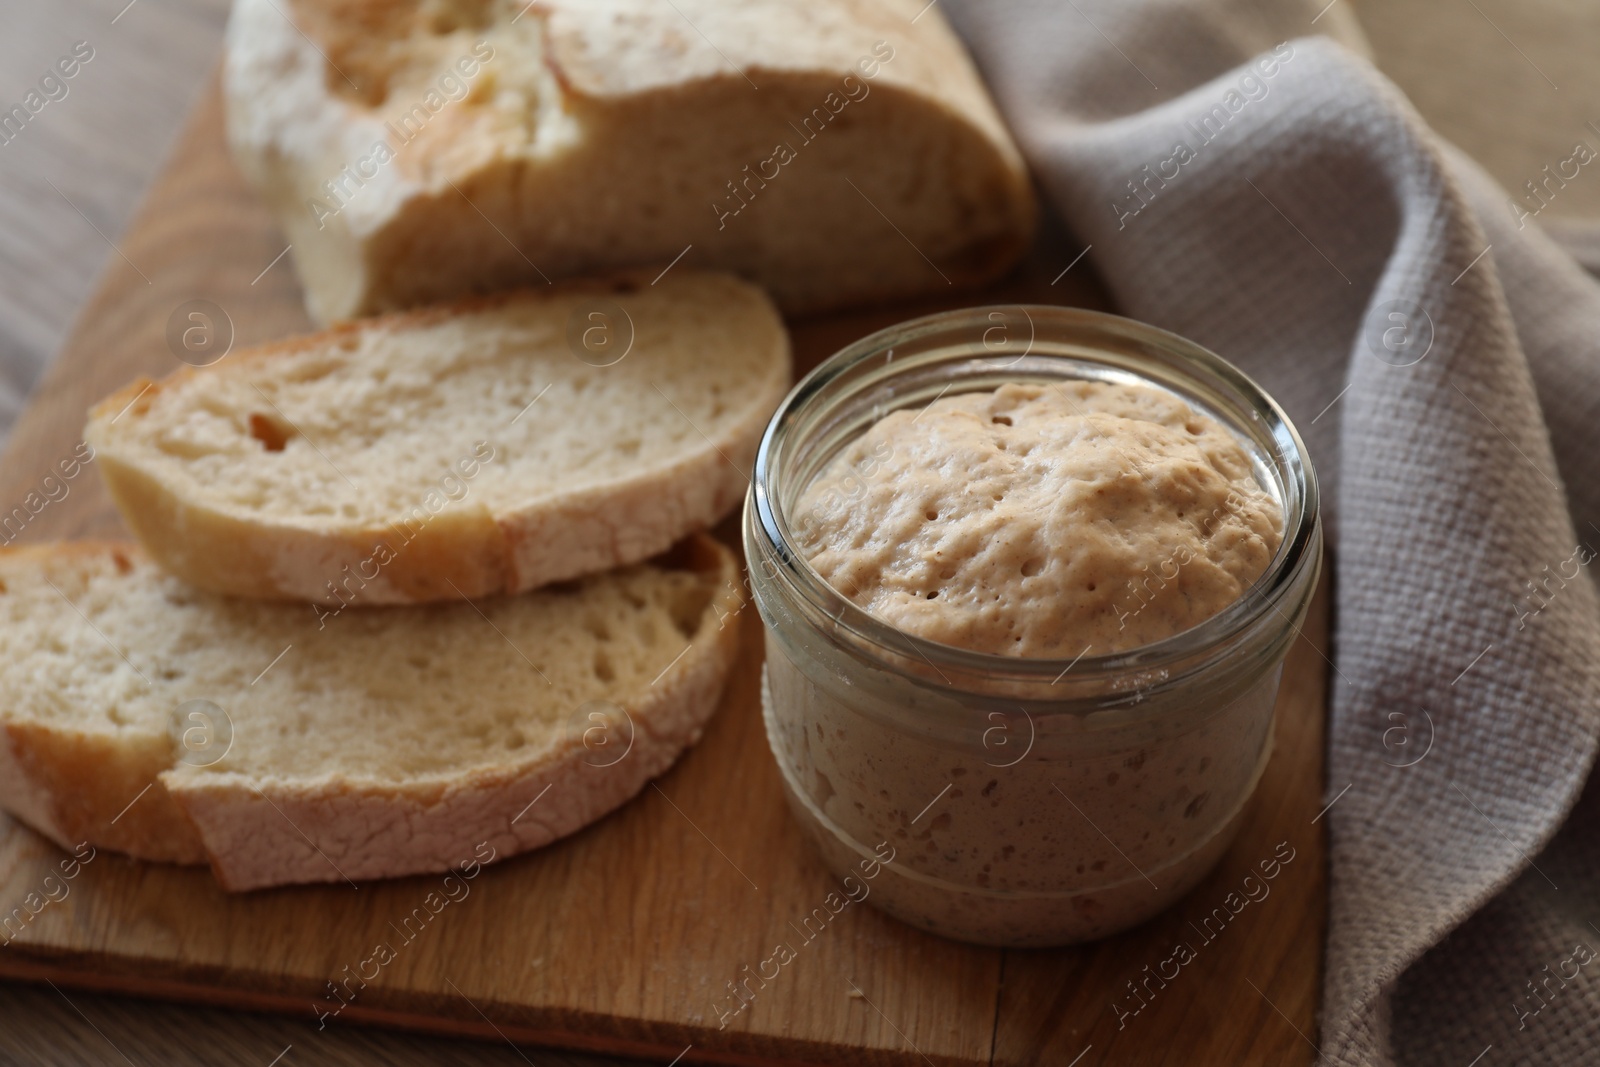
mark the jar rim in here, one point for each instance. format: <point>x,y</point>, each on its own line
<point>1085,334</point>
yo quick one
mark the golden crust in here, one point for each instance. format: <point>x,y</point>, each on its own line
<point>586,106</point>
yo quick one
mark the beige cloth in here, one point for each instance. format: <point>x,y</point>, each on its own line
<point>1319,234</point>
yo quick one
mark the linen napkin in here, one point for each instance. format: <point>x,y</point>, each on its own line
<point>1267,193</point>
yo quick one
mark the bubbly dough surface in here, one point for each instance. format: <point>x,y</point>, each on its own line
<point>1042,520</point>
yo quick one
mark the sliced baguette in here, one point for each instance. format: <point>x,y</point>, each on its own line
<point>465,450</point>
<point>838,152</point>
<point>389,742</point>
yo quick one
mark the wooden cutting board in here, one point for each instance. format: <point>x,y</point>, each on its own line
<point>622,937</point>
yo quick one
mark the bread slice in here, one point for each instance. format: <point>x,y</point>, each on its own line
<point>389,742</point>
<point>459,451</point>
<point>838,152</point>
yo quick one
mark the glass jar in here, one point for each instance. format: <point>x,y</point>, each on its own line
<point>1002,800</point>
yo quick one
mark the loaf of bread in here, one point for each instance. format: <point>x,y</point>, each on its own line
<point>142,715</point>
<point>485,447</point>
<point>835,151</point>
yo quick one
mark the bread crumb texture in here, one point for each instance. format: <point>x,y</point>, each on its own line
<point>392,741</point>
<point>1042,520</point>
<point>358,427</point>
<point>104,642</point>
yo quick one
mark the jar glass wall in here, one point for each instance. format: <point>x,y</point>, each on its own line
<point>1024,801</point>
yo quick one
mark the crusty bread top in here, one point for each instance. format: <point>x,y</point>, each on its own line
<point>385,55</point>
<point>622,47</point>
<point>354,427</point>
<point>417,150</point>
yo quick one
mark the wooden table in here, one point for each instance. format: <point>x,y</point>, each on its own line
<point>70,181</point>
<point>1250,998</point>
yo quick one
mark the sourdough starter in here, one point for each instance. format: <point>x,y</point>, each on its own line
<point>1044,521</point>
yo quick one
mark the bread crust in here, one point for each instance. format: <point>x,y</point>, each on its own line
<point>130,795</point>
<point>462,551</point>
<point>70,785</point>
<point>462,205</point>
<point>76,786</point>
